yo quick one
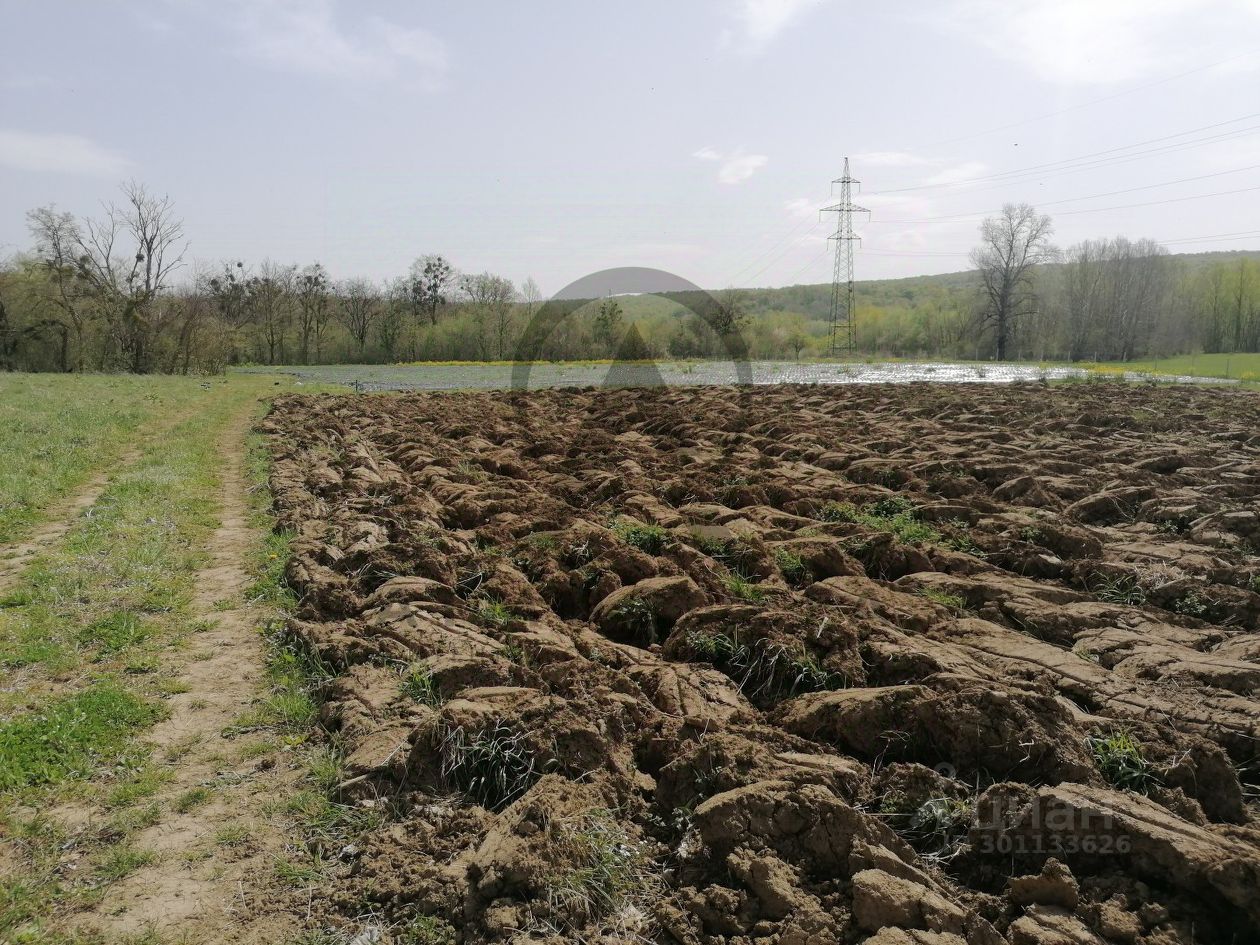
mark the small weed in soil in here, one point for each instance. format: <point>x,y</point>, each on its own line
<point>743,588</point>
<point>944,598</point>
<point>1192,605</point>
<point>419,686</point>
<point>894,514</point>
<point>650,539</point>
<point>427,930</point>
<point>940,823</point>
<point>493,767</point>
<point>1121,589</point>
<point>764,668</point>
<point>1121,762</point>
<point>794,570</point>
<point>1032,534</point>
<point>638,617</point>
<point>609,871</point>
<point>493,613</point>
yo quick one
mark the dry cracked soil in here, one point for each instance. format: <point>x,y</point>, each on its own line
<point>794,665</point>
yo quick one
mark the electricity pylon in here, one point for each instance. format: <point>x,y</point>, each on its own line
<point>843,312</point>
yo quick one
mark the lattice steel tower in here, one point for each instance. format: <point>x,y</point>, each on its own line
<point>843,313</point>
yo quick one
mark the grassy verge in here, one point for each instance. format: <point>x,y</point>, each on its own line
<point>55,430</point>
<point>82,640</point>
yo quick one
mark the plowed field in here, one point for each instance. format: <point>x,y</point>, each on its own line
<point>793,665</point>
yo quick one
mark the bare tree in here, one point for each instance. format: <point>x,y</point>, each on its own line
<point>311,288</point>
<point>126,258</point>
<point>271,302</point>
<point>1012,246</point>
<point>492,301</point>
<point>531,295</point>
<point>392,320</point>
<point>428,283</point>
<point>358,303</point>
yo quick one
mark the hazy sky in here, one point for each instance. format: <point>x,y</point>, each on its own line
<point>556,138</point>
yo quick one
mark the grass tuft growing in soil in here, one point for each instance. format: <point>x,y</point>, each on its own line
<point>1121,761</point>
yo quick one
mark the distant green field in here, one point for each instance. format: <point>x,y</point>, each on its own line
<point>1241,367</point>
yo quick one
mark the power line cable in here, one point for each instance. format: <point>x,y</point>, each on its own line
<point>1105,157</point>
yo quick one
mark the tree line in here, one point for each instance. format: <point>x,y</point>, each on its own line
<point>115,292</point>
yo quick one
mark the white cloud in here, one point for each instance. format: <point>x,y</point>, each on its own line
<point>59,154</point>
<point>734,167</point>
<point>803,208</point>
<point>760,21</point>
<point>959,173</point>
<point>1087,41</point>
<point>304,36</point>
<point>891,159</point>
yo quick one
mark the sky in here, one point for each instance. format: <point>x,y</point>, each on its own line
<point>552,139</point>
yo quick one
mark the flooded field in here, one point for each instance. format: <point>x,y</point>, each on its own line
<point>677,373</point>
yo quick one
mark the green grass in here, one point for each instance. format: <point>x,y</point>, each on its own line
<point>1121,761</point>
<point>192,799</point>
<point>793,568</point>
<point>419,686</point>
<point>492,766</point>
<point>763,668</point>
<point>55,430</point>
<point>119,584</point>
<point>70,736</point>
<point>894,514</point>
<point>493,613</point>
<point>743,588</point>
<point>1244,367</point>
<point>607,871</point>
<point>427,930</point>
<point>1121,589</point>
<point>650,539</point>
<point>944,598</point>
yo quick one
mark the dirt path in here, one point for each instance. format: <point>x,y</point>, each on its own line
<point>214,843</point>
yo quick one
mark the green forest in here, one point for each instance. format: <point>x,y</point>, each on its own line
<point>116,293</point>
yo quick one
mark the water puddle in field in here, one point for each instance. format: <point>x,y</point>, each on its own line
<point>386,377</point>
